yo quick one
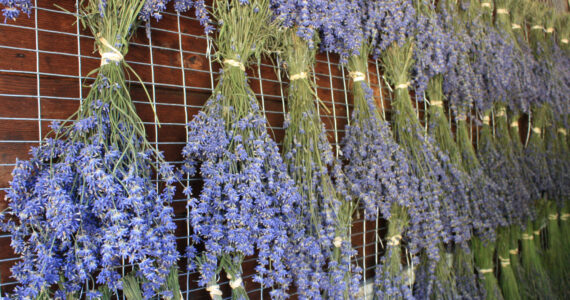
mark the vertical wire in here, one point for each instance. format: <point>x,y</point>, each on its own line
<point>335,128</point>
<point>380,88</point>
<point>209,55</point>
<point>38,93</point>
<point>281,85</point>
<point>267,122</point>
<point>185,99</point>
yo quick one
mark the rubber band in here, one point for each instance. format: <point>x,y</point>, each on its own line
<point>564,41</point>
<point>234,284</point>
<point>337,242</point>
<point>514,251</point>
<point>485,271</point>
<point>113,55</point>
<point>515,26</point>
<point>486,4</point>
<point>403,85</point>
<point>505,262</point>
<point>536,232</point>
<point>357,76</point>
<point>562,131</point>
<point>502,11</point>
<point>486,120</point>
<point>394,240</point>
<point>553,217</point>
<point>527,236</point>
<point>234,63</point>
<point>564,217</point>
<point>537,27</point>
<point>515,124</point>
<point>437,103</point>
<point>501,112</point>
<point>536,130</point>
<point>214,291</point>
<point>298,76</point>
<point>549,30</point>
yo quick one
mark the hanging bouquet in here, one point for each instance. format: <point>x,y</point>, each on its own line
<point>248,204</point>
<point>84,209</point>
<point>327,202</point>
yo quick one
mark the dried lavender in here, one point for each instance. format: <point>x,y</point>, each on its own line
<point>12,8</point>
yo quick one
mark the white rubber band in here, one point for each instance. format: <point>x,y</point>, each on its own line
<point>485,271</point>
<point>527,236</point>
<point>515,26</point>
<point>502,11</point>
<point>514,251</point>
<point>486,120</point>
<point>403,85</point>
<point>486,4</point>
<point>536,130</point>
<point>394,240</point>
<point>236,283</point>
<point>562,131</point>
<point>437,103</point>
<point>357,76</point>
<point>553,217</point>
<point>515,124</point>
<point>536,232</point>
<point>113,55</point>
<point>564,41</point>
<point>234,63</point>
<point>549,30</point>
<point>337,242</point>
<point>505,262</point>
<point>535,27</point>
<point>564,217</point>
<point>214,291</point>
<point>298,76</point>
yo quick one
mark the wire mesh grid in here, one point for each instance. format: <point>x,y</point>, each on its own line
<point>44,76</point>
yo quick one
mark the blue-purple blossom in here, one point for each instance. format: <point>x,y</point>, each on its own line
<point>12,8</point>
<point>153,9</point>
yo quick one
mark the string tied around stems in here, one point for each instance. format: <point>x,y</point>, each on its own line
<point>537,27</point>
<point>298,76</point>
<point>402,86</point>
<point>514,251</point>
<point>516,26</point>
<point>564,41</point>
<point>501,113</point>
<point>553,217</point>
<point>214,290</point>
<point>536,130</point>
<point>235,283</point>
<point>485,271</point>
<point>337,242</point>
<point>234,63</point>
<point>502,11</point>
<point>486,120</point>
<point>562,131</point>
<point>437,103</point>
<point>505,262</point>
<point>394,240</point>
<point>527,237</point>
<point>515,124</point>
<point>536,232</point>
<point>357,76</point>
<point>549,30</point>
<point>564,217</point>
<point>113,54</point>
<point>486,4</point>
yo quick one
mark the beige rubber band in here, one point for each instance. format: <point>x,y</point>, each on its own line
<point>501,113</point>
<point>536,130</point>
<point>515,124</point>
<point>337,242</point>
<point>537,232</point>
<point>486,4</point>
<point>527,236</point>
<point>214,291</point>
<point>564,217</point>
<point>514,251</point>
<point>485,271</point>
<point>394,240</point>
<point>357,76</point>
<point>553,217</point>
<point>502,11</point>
<point>505,262</point>
<point>234,63</point>
<point>562,131</point>
<point>403,85</point>
<point>564,41</point>
<point>113,55</point>
<point>234,284</point>
<point>549,30</point>
<point>486,120</point>
<point>515,26</point>
<point>437,103</point>
<point>298,76</point>
<point>537,27</point>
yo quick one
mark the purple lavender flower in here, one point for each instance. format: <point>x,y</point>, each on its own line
<point>12,8</point>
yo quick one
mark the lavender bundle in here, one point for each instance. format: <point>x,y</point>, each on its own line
<point>85,205</point>
<point>248,203</point>
<point>327,202</point>
<point>377,168</point>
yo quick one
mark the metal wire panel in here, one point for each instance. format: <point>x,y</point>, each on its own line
<point>43,77</point>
